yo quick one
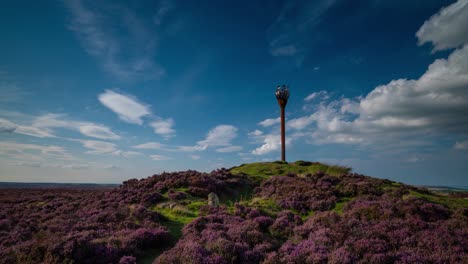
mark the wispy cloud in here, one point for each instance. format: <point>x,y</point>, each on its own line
<point>194,157</point>
<point>165,6</point>
<point>317,95</point>
<point>127,53</point>
<point>29,152</point>
<point>220,136</point>
<point>10,90</point>
<point>43,126</point>
<point>289,35</point>
<point>164,127</point>
<point>269,122</point>
<point>160,157</point>
<point>50,121</point>
<point>255,133</point>
<point>128,108</point>
<point>229,149</point>
<point>131,110</point>
<point>101,147</point>
<point>7,126</point>
<point>164,147</point>
<point>150,145</point>
<point>461,145</point>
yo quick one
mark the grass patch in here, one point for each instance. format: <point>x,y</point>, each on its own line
<point>262,170</point>
<point>268,206</point>
<point>450,202</point>
<point>340,205</point>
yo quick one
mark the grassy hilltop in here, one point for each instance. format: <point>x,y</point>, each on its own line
<point>270,212</point>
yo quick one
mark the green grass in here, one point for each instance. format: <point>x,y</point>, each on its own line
<point>340,205</point>
<point>262,170</point>
<point>450,202</point>
<point>268,206</point>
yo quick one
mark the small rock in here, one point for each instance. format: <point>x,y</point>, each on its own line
<point>213,199</point>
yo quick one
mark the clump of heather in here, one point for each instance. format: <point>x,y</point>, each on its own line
<point>377,223</point>
<point>98,226</point>
<point>222,237</point>
<point>286,219</point>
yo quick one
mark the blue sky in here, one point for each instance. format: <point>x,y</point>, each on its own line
<point>103,91</point>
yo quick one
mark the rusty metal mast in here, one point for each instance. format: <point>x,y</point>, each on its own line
<point>282,95</point>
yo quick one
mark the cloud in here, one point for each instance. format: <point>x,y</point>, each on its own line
<point>229,149</point>
<point>11,92</point>
<point>97,131</point>
<point>34,131</point>
<point>301,122</point>
<point>25,151</point>
<point>194,157</point>
<point>49,121</point>
<point>6,126</point>
<point>269,122</point>
<point>111,167</point>
<point>461,145</point>
<point>123,44</point>
<point>435,104</point>
<point>317,95</point>
<point>446,29</point>
<point>150,145</point>
<point>190,148</point>
<point>289,35</point>
<point>126,154</point>
<point>271,142</point>
<point>164,147</point>
<point>160,157</point>
<point>164,127</point>
<point>288,50</point>
<point>165,6</point>
<point>76,166</point>
<point>99,147</point>
<point>221,135</point>
<point>255,133</point>
<point>128,109</point>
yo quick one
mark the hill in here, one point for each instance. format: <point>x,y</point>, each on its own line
<point>302,212</point>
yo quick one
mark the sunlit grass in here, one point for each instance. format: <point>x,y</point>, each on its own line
<point>262,170</point>
<point>451,202</point>
<point>341,204</point>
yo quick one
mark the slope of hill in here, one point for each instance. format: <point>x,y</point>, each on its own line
<point>277,212</point>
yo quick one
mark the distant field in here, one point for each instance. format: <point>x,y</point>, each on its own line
<point>51,185</point>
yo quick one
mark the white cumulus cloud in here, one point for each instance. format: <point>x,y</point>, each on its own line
<point>164,127</point>
<point>434,104</point>
<point>221,135</point>
<point>127,108</point>
<point>448,28</point>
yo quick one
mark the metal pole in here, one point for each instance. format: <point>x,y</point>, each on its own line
<point>282,95</point>
<point>283,136</point>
